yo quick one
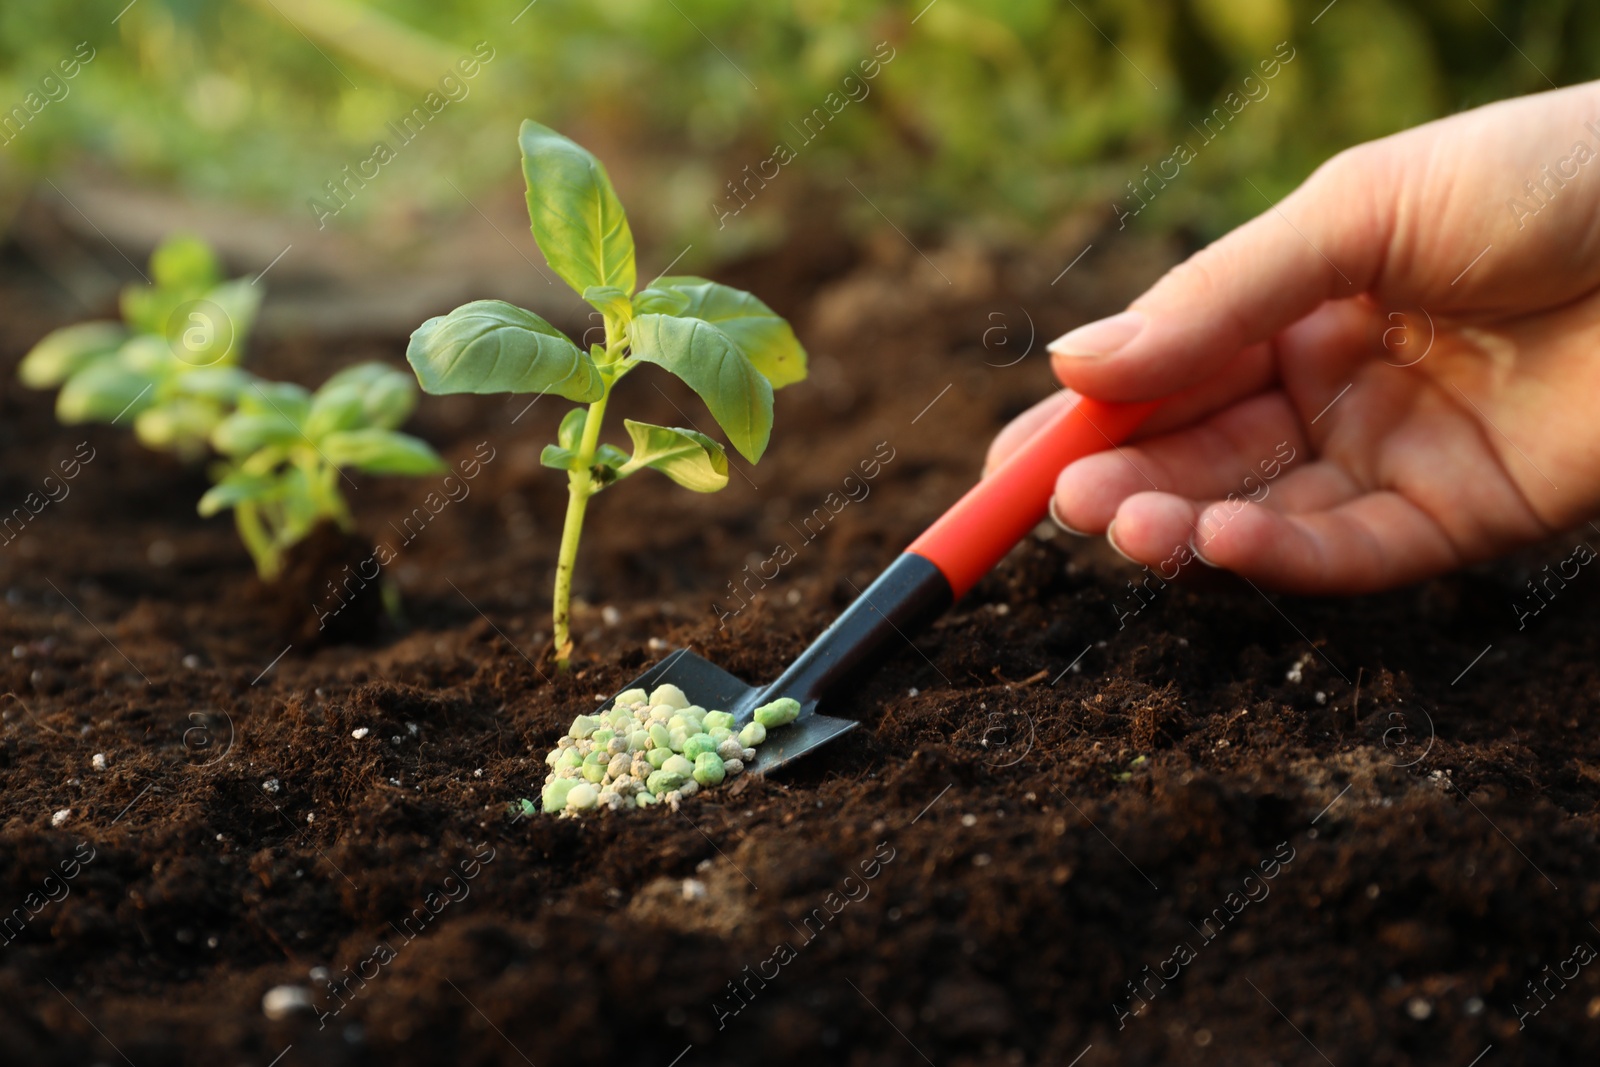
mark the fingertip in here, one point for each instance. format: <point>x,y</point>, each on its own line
<point>1098,339</point>
<point>1055,517</point>
<point>1094,376</point>
<point>1213,519</point>
<point>1153,528</point>
<point>1111,539</point>
<point>1089,491</point>
<point>1237,535</point>
<point>1200,555</point>
<point>1127,376</point>
<point>1087,355</point>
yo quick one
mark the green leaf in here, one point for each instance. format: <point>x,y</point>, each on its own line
<point>564,456</point>
<point>184,262</point>
<point>381,452</point>
<point>570,431</point>
<point>558,458</point>
<point>151,356</point>
<point>653,301</point>
<point>228,320</point>
<point>284,399</point>
<point>390,401</point>
<point>739,396</point>
<point>145,308</point>
<point>761,334</point>
<point>245,433</point>
<point>576,216</point>
<point>362,374</point>
<point>612,302</point>
<point>204,327</point>
<point>64,352</point>
<point>608,461</point>
<point>103,392</point>
<point>332,410</point>
<point>181,425</point>
<point>269,414</point>
<point>388,396</point>
<point>298,509</point>
<point>490,346</point>
<point>691,459</point>
<point>234,489</point>
<point>221,384</point>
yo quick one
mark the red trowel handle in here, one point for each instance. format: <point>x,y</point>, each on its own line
<point>957,550</point>
<point>969,539</point>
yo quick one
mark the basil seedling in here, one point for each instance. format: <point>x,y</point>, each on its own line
<point>729,347</point>
<point>286,447</point>
<point>171,364</point>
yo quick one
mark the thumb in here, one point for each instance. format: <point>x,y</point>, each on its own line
<point>1327,239</point>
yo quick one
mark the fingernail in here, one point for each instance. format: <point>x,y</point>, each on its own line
<point>1201,556</point>
<point>1055,517</point>
<point>1100,338</point>
<point>1111,539</point>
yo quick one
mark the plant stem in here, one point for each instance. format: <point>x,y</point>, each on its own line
<point>257,540</point>
<point>322,478</point>
<point>580,487</point>
<point>333,499</point>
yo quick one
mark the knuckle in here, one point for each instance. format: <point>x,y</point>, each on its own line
<point>1202,271</point>
<point>1198,280</point>
<point>1352,166</point>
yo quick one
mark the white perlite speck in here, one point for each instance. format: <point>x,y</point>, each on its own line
<point>283,1001</point>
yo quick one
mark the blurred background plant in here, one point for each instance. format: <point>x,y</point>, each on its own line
<point>996,116</point>
<point>170,365</point>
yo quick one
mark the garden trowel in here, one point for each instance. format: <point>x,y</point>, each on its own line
<point>928,577</point>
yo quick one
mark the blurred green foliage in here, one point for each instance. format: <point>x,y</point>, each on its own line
<point>989,113</point>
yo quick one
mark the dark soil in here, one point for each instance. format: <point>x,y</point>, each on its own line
<point>1301,831</point>
<point>329,570</point>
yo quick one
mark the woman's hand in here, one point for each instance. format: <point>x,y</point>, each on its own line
<point>1418,323</point>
